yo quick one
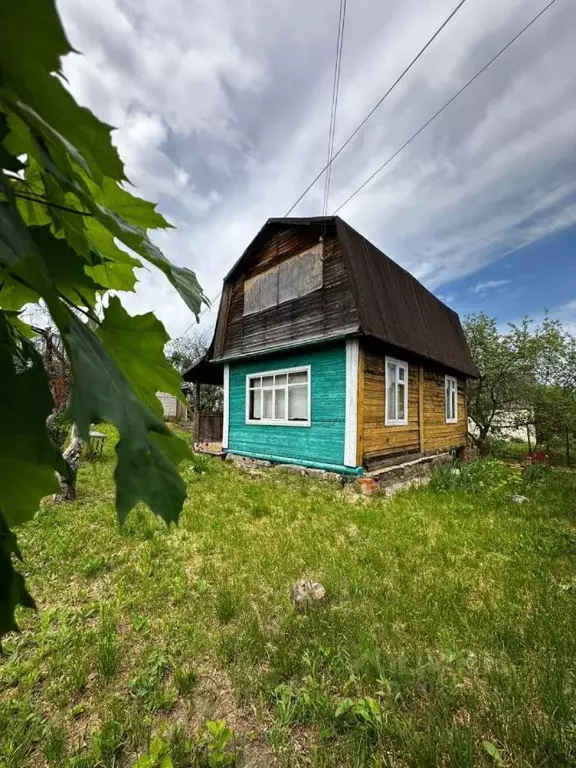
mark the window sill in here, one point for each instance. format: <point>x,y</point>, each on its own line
<point>273,423</point>
<point>451,421</point>
<point>395,423</point>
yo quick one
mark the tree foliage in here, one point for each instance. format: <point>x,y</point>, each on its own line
<point>64,213</point>
<point>527,374</point>
<point>188,349</point>
<point>185,351</point>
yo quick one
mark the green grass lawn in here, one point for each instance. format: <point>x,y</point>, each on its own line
<point>447,635</point>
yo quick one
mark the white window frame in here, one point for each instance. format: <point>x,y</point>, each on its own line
<point>278,372</point>
<point>399,364</point>
<point>450,381</point>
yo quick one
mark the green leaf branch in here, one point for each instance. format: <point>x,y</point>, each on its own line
<point>69,233</point>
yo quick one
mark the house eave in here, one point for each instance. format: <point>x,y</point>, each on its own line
<point>340,336</point>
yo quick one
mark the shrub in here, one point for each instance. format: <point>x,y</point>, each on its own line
<point>488,475</point>
<point>536,470</point>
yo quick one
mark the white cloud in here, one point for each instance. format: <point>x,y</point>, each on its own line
<point>222,111</point>
<point>489,285</point>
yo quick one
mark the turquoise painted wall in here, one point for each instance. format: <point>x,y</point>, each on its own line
<point>323,441</point>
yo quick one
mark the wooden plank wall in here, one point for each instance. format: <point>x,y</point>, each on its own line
<point>323,440</point>
<point>378,439</point>
<point>322,313</point>
<point>426,430</point>
<point>438,434</point>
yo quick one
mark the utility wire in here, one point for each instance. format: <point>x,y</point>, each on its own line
<point>447,104</point>
<point>375,107</point>
<point>206,308</point>
<point>334,105</point>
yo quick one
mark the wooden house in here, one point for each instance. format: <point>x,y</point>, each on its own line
<point>332,355</point>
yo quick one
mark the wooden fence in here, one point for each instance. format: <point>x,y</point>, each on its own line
<point>210,427</point>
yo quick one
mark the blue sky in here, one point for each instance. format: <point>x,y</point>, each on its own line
<point>538,277</point>
<point>222,108</point>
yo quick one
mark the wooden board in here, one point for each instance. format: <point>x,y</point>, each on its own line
<point>360,432</point>
<point>379,439</point>
<point>323,313</point>
<point>421,407</point>
<point>437,433</point>
<point>426,430</point>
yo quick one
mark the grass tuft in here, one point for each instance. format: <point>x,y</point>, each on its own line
<point>107,645</point>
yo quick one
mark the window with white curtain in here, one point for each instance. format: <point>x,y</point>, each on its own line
<point>279,397</point>
<point>396,392</point>
<point>451,399</point>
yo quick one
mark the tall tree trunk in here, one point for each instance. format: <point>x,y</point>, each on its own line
<point>72,456</point>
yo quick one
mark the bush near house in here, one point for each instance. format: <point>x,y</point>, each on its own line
<point>446,636</point>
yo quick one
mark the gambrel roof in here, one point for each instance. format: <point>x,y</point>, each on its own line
<point>392,305</point>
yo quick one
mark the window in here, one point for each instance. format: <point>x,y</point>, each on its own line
<point>396,392</point>
<point>295,277</point>
<point>279,397</point>
<point>451,399</point>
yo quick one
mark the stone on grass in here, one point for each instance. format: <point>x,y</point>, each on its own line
<point>518,499</point>
<point>305,593</point>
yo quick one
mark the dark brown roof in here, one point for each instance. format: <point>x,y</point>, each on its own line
<point>392,305</point>
<point>203,371</point>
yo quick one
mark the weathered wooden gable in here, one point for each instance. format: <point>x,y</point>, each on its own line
<point>258,311</point>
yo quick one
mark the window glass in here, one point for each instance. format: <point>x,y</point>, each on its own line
<point>255,404</point>
<point>451,397</point>
<point>401,393</point>
<point>391,398</point>
<point>300,377</point>
<point>280,404</point>
<point>297,403</point>
<point>267,400</point>
<point>279,397</point>
<point>396,392</point>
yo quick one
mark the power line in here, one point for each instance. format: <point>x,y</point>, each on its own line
<point>447,104</point>
<point>206,308</point>
<point>334,105</point>
<point>375,107</point>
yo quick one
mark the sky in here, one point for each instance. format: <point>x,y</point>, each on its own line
<point>221,109</point>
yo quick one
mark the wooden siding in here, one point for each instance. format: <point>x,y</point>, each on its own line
<point>324,313</point>
<point>437,433</point>
<point>379,439</point>
<point>426,430</point>
<point>323,440</point>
